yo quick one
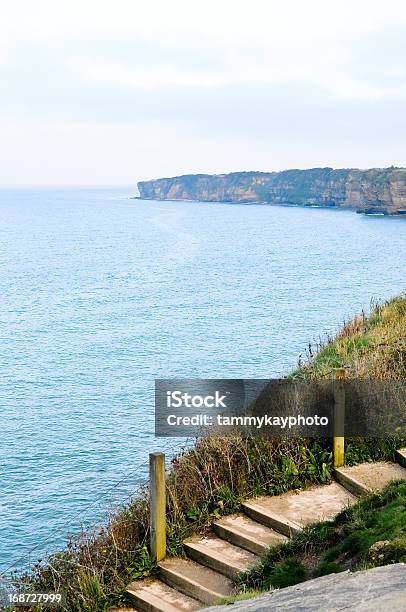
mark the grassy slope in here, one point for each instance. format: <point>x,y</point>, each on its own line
<point>215,476</point>
<point>369,347</point>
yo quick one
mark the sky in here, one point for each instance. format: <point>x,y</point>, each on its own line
<point>97,92</point>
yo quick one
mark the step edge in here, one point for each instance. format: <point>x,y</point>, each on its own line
<point>187,579</point>
<point>401,456</point>
<point>249,543</point>
<point>213,595</point>
<point>216,557</point>
<point>278,520</point>
<point>154,600</point>
<point>239,532</point>
<point>353,485</point>
<point>215,563</point>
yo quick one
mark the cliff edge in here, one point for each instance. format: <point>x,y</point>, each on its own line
<point>374,191</point>
<point>373,590</point>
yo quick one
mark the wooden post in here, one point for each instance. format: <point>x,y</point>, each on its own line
<point>157,505</point>
<point>339,417</point>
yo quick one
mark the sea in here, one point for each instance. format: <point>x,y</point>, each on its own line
<point>102,293</point>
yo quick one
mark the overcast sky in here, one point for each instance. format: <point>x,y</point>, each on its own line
<point>109,92</point>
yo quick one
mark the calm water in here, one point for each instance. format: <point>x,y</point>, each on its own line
<point>101,294</point>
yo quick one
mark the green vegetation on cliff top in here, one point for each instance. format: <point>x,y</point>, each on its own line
<point>368,347</point>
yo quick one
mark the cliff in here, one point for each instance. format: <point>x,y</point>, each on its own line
<point>379,190</point>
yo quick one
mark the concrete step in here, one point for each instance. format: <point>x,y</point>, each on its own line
<point>196,580</point>
<point>401,456</point>
<point>367,477</point>
<point>289,512</point>
<point>219,555</point>
<point>242,531</point>
<point>152,595</point>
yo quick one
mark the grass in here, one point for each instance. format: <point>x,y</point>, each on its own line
<point>368,534</point>
<point>240,597</point>
<point>216,475</point>
<point>368,347</point>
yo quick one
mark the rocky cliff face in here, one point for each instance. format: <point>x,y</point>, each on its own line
<point>372,191</point>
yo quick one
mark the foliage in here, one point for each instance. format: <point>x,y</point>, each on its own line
<point>368,347</point>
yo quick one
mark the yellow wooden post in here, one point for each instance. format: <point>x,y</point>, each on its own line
<point>157,505</point>
<point>339,417</point>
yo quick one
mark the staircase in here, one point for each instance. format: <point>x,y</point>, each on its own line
<point>237,541</point>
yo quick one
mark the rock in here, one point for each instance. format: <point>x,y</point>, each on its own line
<point>376,551</point>
<point>375,191</point>
<point>374,590</point>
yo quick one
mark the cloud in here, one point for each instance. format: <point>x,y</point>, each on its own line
<point>262,73</point>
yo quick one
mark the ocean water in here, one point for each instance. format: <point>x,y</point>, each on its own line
<point>101,294</point>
